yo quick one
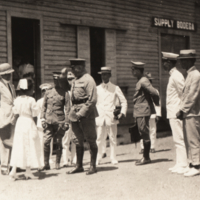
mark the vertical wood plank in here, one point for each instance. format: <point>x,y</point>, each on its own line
<point>83,45</point>
<point>110,53</point>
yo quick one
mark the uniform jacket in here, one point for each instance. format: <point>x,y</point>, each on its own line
<point>174,92</point>
<point>56,106</point>
<point>109,96</point>
<point>84,89</point>
<point>190,101</point>
<point>142,99</point>
<point>6,103</point>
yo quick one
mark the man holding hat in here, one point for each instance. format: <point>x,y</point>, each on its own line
<point>7,117</point>
<point>143,107</point>
<point>189,111</point>
<point>108,97</point>
<point>174,94</point>
<point>83,113</point>
<point>54,120</point>
<point>152,123</point>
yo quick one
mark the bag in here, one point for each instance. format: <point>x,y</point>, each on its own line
<point>135,135</point>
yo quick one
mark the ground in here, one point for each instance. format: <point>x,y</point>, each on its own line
<point>116,182</point>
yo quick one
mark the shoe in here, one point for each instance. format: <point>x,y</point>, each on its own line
<point>152,151</point>
<point>143,161</point>
<point>46,167</point>
<point>4,172</point>
<point>20,170</point>
<point>142,151</point>
<point>12,177</point>
<point>172,168</point>
<point>114,162</point>
<point>182,170</point>
<point>192,172</point>
<point>92,170</point>
<point>57,166</point>
<point>66,165</point>
<point>76,170</point>
<point>104,155</point>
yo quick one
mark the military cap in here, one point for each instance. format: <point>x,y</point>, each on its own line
<point>105,70</point>
<point>6,68</point>
<point>139,65</point>
<point>169,56</point>
<point>189,53</point>
<point>56,75</point>
<point>45,86</point>
<point>77,61</point>
<point>148,75</point>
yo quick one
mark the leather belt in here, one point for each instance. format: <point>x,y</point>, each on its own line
<point>79,101</point>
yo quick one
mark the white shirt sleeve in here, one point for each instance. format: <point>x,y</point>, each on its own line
<point>122,100</point>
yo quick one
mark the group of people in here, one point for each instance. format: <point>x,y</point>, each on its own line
<point>75,109</point>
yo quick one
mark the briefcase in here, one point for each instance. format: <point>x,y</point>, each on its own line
<point>135,135</point>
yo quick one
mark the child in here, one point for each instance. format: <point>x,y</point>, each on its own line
<point>24,153</point>
<point>43,87</point>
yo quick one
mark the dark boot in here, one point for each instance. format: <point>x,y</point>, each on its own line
<point>146,158</point>
<point>58,157</point>
<point>79,162</point>
<point>93,152</point>
<point>46,162</point>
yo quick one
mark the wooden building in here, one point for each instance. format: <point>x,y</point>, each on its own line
<point>104,32</point>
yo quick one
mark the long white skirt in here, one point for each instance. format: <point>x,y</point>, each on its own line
<point>27,150</point>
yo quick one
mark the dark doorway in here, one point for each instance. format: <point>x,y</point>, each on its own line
<point>173,44</point>
<point>97,52</point>
<point>26,51</point>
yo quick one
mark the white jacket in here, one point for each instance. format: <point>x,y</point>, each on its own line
<point>108,97</point>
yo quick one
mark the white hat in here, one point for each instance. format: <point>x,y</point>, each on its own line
<point>105,70</point>
<point>189,53</point>
<point>169,56</point>
<point>139,64</point>
<point>23,84</point>
<point>45,86</point>
<point>6,68</point>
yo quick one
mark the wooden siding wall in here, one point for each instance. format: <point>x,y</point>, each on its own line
<point>3,38</point>
<point>140,41</point>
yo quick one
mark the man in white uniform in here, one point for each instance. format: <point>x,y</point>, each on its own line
<point>152,123</point>
<point>108,97</point>
<point>174,94</point>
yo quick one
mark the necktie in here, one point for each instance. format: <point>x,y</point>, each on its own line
<point>10,89</point>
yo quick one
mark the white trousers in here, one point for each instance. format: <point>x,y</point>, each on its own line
<point>102,132</point>
<point>66,144</point>
<point>177,132</point>
<point>152,133</point>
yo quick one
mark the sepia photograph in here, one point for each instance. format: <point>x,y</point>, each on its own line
<point>99,99</point>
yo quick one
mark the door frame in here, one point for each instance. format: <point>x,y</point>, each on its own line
<point>11,14</point>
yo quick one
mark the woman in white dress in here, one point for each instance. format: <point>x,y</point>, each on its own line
<point>26,145</point>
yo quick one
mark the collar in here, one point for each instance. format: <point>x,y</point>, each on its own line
<point>106,84</point>
<point>172,70</point>
<point>191,69</point>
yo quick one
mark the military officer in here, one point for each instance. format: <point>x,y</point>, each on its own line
<point>54,119</point>
<point>82,114</point>
<point>143,107</point>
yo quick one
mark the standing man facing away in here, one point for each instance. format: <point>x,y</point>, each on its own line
<point>174,94</point>
<point>7,117</point>
<point>143,107</point>
<point>108,96</point>
<point>190,111</point>
<point>82,114</point>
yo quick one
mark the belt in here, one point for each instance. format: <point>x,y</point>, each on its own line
<point>79,101</point>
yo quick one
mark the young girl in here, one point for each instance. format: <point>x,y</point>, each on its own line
<point>25,154</point>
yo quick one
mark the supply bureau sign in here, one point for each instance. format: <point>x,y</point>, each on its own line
<point>174,24</point>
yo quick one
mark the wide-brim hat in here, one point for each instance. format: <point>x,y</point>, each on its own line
<point>105,70</point>
<point>186,54</point>
<point>77,61</point>
<point>149,76</point>
<point>138,65</point>
<point>6,68</point>
<point>169,56</point>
